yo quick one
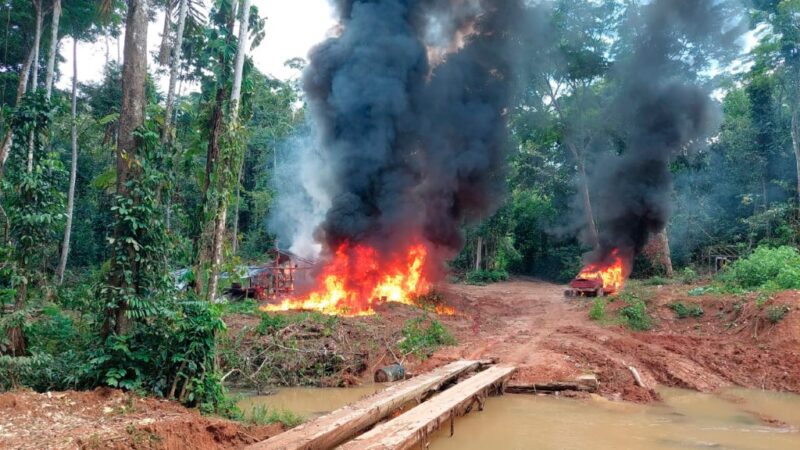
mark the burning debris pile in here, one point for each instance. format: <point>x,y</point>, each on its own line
<point>663,112</point>
<point>408,109</point>
<point>355,279</point>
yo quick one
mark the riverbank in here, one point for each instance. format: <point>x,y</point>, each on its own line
<point>738,340</point>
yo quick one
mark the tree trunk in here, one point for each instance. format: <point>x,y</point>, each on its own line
<point>478,254</point>
<point>51,57</point>
<point>22,87</point>
<point>796,145</point>
<point>37,4</point>
<point>173,72</point>
<point>37,37</point>
<point>220,218</point>
<point>107,50</point>
<point>134,72</point>
<point>241,50</point>
<point>235,242</point>
<point>73,171</point>
<point>163,51</point>
<point>15,335</point>
<point>587,204</point>
<point>666,253</point>
<point>236,95</point>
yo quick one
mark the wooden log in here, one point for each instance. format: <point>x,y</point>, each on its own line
<point>636,377</point>
<point>332,429</point>
<point>395,372</point>
<point>584,383</point>
<point>416,425</point>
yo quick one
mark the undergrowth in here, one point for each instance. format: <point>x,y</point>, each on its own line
<point>598,309</point>
<point>767,268</point>
<point>423,335</point>
<point>635,315</point>
<point>483,277</point>
<point>683,311</point>
<point>264,415</point>
<point>776,313</point>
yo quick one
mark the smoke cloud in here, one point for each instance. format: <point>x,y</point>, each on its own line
<point>408,110</point>
<point>660,111</point>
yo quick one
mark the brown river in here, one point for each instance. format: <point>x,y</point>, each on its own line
<point>736,419</point>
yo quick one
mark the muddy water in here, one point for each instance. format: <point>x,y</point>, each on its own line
<point>309,402</point>
<point>686,420</point>
<point>733,419</point>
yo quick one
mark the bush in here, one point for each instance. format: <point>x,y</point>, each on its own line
<point>598,310</point>
<point>766,268</point>
<point>688,275</point>
<point>421,340</point>
<point>482,277</point>
<point>635,315</point>
<point>264,415</point>
<point>776,313</point>
<point>683,311</point>
<point>703,290</point>
<point>656,281</point>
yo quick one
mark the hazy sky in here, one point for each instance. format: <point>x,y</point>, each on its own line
<point>293,27</point>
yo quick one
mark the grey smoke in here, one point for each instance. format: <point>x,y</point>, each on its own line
<point>661,109</point>
<point>406,148</point>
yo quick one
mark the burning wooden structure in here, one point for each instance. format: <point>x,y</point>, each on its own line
<point>274,280</point>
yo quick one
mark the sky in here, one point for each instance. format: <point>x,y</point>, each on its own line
<point>292,28</point>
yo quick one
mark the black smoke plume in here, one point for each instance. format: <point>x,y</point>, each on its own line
<point>413,146</point>
<point>660,109</point>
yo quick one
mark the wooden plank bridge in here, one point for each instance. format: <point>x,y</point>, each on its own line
<point>440,395</point>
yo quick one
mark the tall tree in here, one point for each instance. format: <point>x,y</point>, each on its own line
<point>236,94</point>
<point>22,87</point>
<point>73,171</point>
<point>37,5</point>
<point>134,74</point>
<point>163,50</point>
<point>51,57</point>
<point>173,70</point>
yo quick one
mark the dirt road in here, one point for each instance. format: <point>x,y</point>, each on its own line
<point>531,323</point>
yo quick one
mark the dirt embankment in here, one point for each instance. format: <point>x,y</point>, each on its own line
<point>531,324</point>
<point>111,419</point>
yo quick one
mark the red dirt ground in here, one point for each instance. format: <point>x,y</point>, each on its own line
<point>550,338</point>
<point>111,419</point>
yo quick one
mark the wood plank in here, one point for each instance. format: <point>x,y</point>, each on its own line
<point>584,383</point>
<point>332,429</point>
<point>416,425</point>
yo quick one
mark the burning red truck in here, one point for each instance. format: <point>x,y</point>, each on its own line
<point>601,278</point>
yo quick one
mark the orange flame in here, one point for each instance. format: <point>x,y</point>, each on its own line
<point>358,278</point>
<point>612,271</point>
